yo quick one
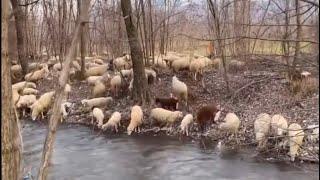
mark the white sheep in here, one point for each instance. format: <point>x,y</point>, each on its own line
<point>42,104</point>
<point>305,74</point>
<point>131,85</point>
<point>180,89</point>
<point>121,63</point>
<point>25,102</point>
<point>114,121</point>
<point>186,123</point>
<point>98,61</point>
<point>217,62</point>
<point>180,64</point>
<point>96,102</point>
<point>278,125</point>
<point>197,66</point>
<point>16,69</point>
<point>24,84</point>
<point>115,84</point>
<point>34,66</point>
<point>165,116</point>
<point>231,123</point>
<point>96,71</point>
<point>126,72</point>
<point>57,67</point>
<point>261,128</point>
<point>136,119</point>
<point>92,79</point>
<point>97,113</point>
<point>99,89</point>
<point>28,91</point>
<point>37,75</point>
<point>76,65</point>
<point>314,136</point>
<point>296,135</point>
<point>63,109</point>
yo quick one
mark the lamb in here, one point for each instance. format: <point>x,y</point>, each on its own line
<point>92,79</point>
<point>136,119</point>
<point>64,109</point>
<point>37,75</point>
<point>180,89</point>
<point>28,91</point>
<point>25,102</point>
<point>231,123</point>
<point>296,135</point>
<point>114,121</point>
<point>261,128</point>
<point>96,102</point>
<point>115,84</point>
<point>185,123</point>
<point>42,104</point>
<point>96,71</point>
<point>99,89</point>
<point>278,125</point>
<point>208,113</point>
<point>165,116</point>
<point>98,115</point>
<point>24,84</point>
<point>167,103</point>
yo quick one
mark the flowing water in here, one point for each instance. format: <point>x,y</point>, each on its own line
<point>81,154</point>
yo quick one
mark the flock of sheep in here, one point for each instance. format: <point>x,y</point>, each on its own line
<point>99,77</point>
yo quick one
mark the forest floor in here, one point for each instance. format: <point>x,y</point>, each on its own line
<point>259,88</point>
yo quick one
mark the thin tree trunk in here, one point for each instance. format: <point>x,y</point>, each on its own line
<point>55,117</point>
<point>19,20</point>
<point>11,142</point>
<point>140,89</point>
<point>298,46</point>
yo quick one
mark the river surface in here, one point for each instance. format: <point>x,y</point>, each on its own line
<point>82,154</point>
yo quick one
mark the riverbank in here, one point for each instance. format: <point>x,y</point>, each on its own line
<point>258,88</point>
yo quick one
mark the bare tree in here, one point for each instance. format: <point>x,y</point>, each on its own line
<point>140,89</point>
<point>19,20</point>
<point>11,142</point>
<point>55,117</point>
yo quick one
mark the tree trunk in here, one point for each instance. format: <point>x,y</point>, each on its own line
<point>83,39</point>
<point>64,76</point>
<point>140,89</point>
<point>11,142</point>
<point>298,47</point>
<point>19,20</point>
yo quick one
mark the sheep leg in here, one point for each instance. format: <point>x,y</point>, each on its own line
<point>42,116</point>
<point>187,131</point>
<point>23,112</point>
<point>116,128</point>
